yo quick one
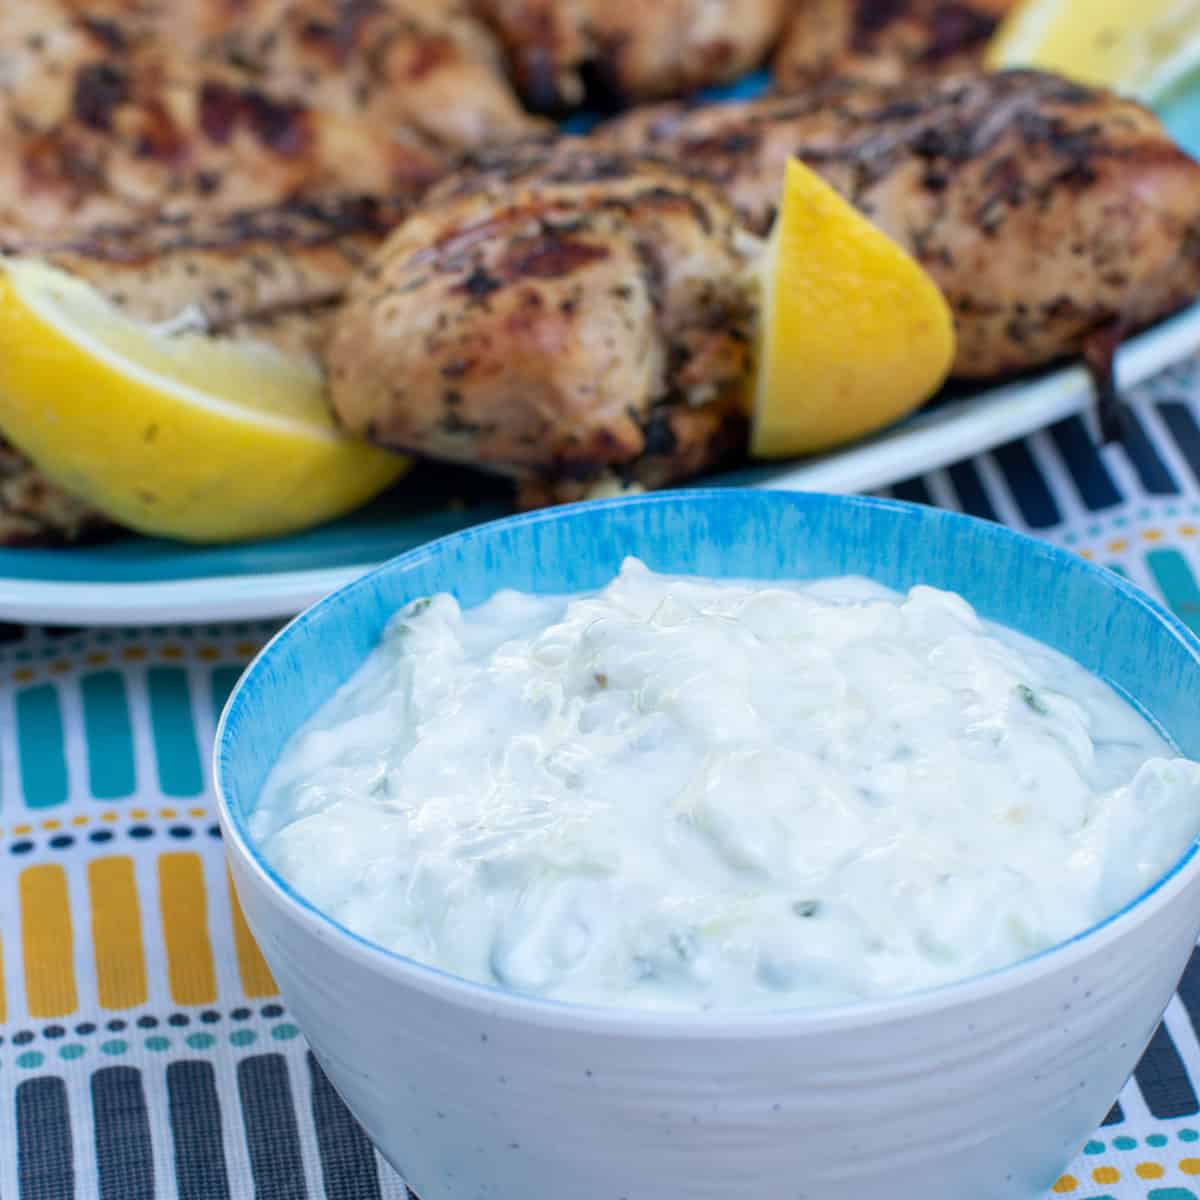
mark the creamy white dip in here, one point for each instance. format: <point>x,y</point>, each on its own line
<point>691,794</point>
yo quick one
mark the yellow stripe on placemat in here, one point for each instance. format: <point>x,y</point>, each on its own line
<point>47,942</point>
<point>183,902</point>
<point>117,933</point>
<point>257,979</point>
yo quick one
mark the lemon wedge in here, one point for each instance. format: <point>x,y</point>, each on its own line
<point>852,332</point>
<point>1140,47</point>
<point>178,435</point>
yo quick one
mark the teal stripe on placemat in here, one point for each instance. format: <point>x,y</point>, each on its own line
<point>109,735</point>
<point>1174,577</point>
<point>175,747</point>
<point>223,680</point>
<point>40,741</point>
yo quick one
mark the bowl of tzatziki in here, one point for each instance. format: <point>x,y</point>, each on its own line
<point>723,843</point>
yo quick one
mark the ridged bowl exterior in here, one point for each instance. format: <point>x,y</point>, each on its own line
<point>984,1089</point>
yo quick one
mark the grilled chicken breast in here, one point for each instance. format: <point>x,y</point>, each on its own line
<point>1047,212</point>
<point>557,314</point>
<point>884,41</point>
<point>120,110</point>
<point>635,51</point>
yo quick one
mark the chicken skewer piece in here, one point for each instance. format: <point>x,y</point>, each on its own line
<point>883,42</point>
<point>1048,213</point>
<point>556,314</point>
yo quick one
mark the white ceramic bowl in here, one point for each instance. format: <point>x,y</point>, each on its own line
<point>981,1090</point>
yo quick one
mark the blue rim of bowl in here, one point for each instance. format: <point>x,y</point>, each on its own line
<point>617,1019</point>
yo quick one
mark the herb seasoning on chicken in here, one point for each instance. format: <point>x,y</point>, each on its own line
<point>558,314</point>
<point>1048,213</point>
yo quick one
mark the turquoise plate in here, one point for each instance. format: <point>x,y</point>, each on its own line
<point>136,580</point>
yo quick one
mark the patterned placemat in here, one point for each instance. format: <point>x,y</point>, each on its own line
<point>144,1052</point>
